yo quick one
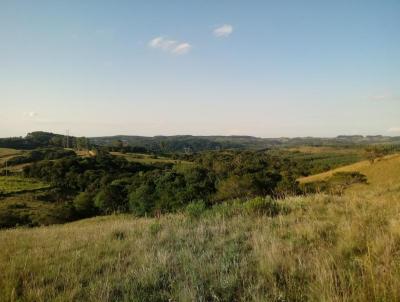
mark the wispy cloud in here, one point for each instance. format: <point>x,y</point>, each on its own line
<point>170,46</point>
<point>394,130</point>
<point>182,48</point>
<point>223,31</point>
<point>385,97</point>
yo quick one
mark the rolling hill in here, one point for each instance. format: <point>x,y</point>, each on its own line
<point>383,177</point>
<point>313,248</point>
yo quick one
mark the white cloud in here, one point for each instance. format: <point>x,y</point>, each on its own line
<point>171,46</point>
<point>223,31</point>
<point>31,114</point>
<point>182,48</point>
<point>394,129</point>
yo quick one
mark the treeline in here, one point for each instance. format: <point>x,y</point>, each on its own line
<point>40,139</point>
<point>193,144</point>
<point>186,143</point>
<point>105,183</point>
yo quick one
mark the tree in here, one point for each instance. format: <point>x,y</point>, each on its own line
<point>84,204</point>
<point>112,198</point>
<point>141,200</point>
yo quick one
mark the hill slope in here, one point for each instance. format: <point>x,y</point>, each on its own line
<point>383,177</point>
<point>321,248</point>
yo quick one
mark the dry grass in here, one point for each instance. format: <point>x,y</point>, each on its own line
<point>325,249</point>
<point>7,153</point>
<point>376,172</point>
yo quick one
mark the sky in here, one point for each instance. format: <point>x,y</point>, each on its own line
<point>262,68</point>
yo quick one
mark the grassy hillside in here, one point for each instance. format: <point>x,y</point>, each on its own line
<point>320,248</point>
<point>7,153</point>
<point>314,248</point>
<point>4,152</point>
<point>383,177</point>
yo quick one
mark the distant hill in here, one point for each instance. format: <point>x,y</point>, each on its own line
<point>180,143</point>
<point>189,143</point>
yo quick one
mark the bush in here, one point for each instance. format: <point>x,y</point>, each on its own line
<point>196,209</point>
<point>84,205</point>
<point>263,206</point>
<point>348,178</point>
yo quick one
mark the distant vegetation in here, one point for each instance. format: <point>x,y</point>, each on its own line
<point>95,180</point>
<point>188,143</point>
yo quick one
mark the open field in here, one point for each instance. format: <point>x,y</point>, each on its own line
<point>323,249</point>
<point>7,153</point>
<point>15,184</point>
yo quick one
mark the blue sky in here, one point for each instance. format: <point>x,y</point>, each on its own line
<point>263,68</point>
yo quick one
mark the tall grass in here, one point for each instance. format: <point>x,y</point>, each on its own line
<point>321,248</point>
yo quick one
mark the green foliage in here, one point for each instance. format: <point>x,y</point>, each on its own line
<point>33,209</point>
<point>15,184</point>
<point>191,144</point>
<point>263,206</point>
<point>84,204</point>
<point>196,209</point>
<point>152,188</point>
<point>40,154</point>
<point>117,185</point>
<point>111,198</point>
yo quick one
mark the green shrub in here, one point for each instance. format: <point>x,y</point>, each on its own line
<point>228,208</point>
<point>262,206</point>
<point>84,204</point>
<point>196,209</point>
